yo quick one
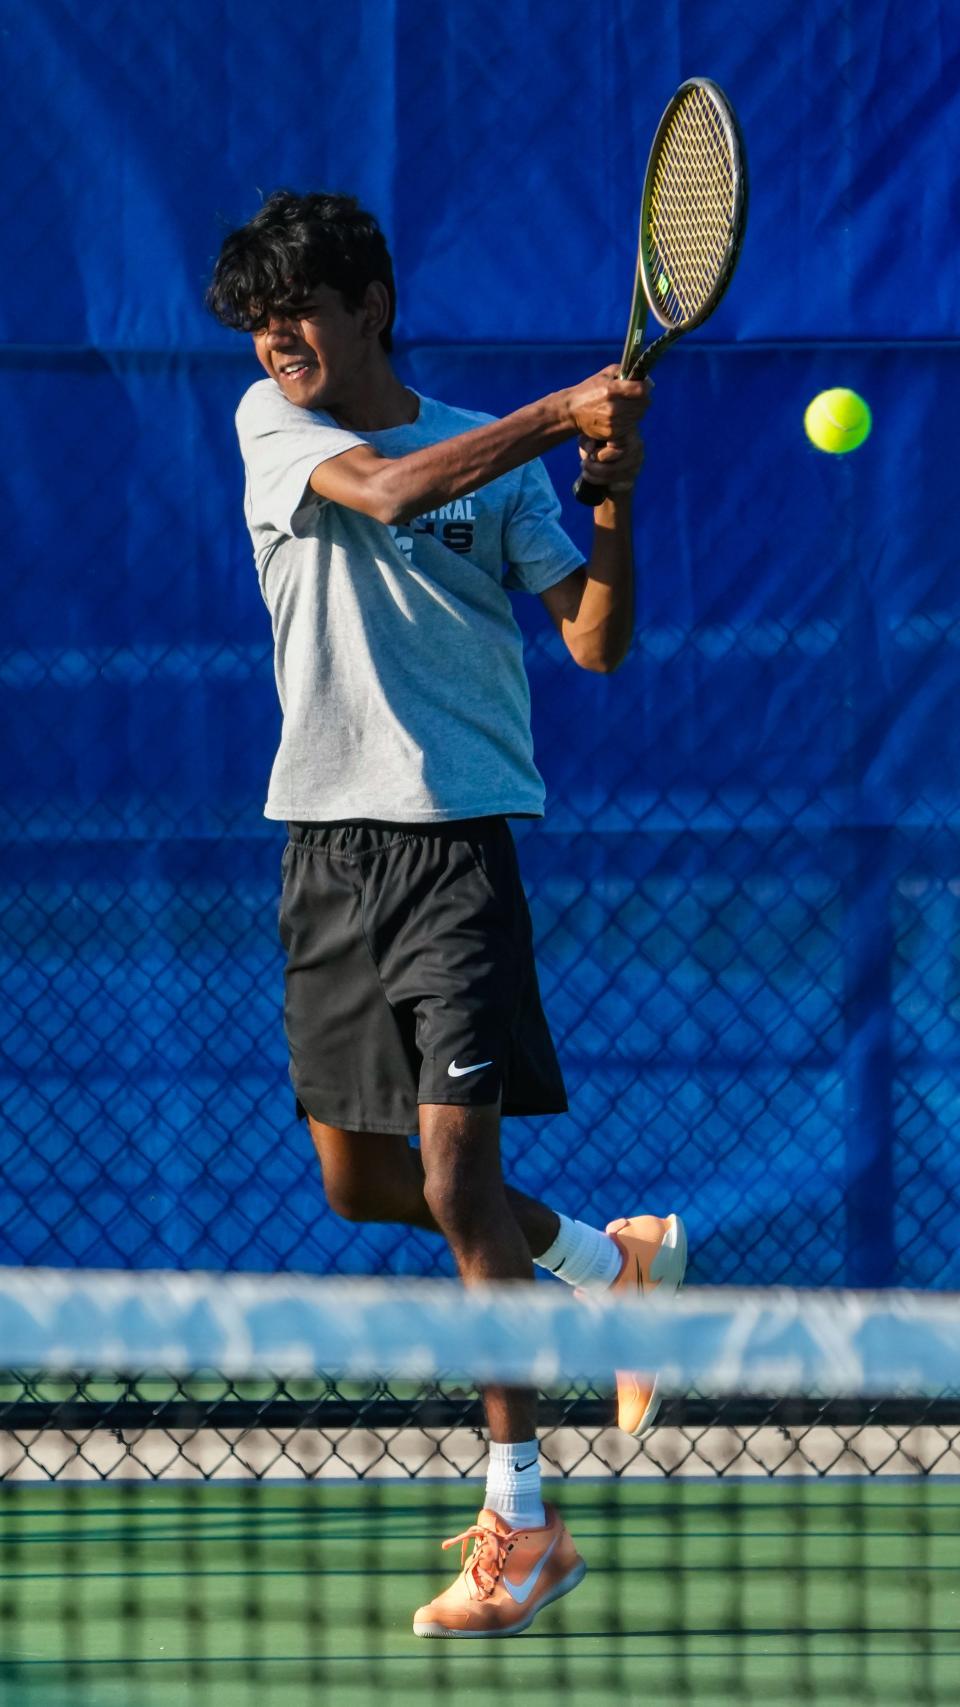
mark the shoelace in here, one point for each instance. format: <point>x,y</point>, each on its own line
<point>486,1541</point>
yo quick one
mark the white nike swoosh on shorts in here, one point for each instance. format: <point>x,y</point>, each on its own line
<point>455,1072</point>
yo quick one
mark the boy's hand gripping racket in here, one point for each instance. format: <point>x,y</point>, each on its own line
<point>692,220</point>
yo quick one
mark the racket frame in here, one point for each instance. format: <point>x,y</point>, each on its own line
<point>637,362</point>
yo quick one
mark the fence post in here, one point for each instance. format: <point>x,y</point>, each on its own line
<point>867,924</point>
<point>868,1063</point>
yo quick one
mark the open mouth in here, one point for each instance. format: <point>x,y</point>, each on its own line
<point>294,369</point>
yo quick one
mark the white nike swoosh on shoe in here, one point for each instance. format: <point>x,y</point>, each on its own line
<point>522,1591</point>
<point>455,1072</point>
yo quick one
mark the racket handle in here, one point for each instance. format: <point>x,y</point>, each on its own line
<point>588,493</point>
<point>639,368</point>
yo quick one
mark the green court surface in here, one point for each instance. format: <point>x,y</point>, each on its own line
<point>235,1594</point>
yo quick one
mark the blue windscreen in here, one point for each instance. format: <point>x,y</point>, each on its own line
<point>746,887</point>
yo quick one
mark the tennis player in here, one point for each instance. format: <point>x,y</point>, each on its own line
<point>388,531</point>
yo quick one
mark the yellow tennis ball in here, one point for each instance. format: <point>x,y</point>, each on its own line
<point>837,421</point>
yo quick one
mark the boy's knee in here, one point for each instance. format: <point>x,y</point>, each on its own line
<point>350,1199</point>
<point>461,1205</point>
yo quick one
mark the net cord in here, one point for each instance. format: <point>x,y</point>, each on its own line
<point>717,1341</point>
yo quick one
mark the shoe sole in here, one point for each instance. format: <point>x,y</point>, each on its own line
<point>668,1268</point>
<point>563,1587</point>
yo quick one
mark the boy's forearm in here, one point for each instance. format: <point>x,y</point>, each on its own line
<point>395,489</point>
<point>424,479</point>
<point>604,625</point>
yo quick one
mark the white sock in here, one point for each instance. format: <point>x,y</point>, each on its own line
<point>513,1484</point>
<point>582,1256</point>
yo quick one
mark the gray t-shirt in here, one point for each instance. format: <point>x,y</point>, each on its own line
<point>398,660</point>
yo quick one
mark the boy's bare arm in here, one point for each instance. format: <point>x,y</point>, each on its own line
<point>593,606</point>
<point>394,489</point>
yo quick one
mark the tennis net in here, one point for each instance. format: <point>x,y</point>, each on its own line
<point>233,1489</point>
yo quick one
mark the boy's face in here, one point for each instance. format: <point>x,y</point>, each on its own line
<point>318,356</point>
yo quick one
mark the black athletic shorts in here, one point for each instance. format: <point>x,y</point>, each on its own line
<point>410,975</point>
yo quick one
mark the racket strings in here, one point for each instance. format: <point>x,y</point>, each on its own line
<point>691,211</point>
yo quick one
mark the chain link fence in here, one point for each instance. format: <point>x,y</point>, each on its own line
<point>207,1428</point>
<point>744,896</point>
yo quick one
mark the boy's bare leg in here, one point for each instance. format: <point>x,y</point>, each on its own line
<point>378,1176</point>
<point>453,1186</point>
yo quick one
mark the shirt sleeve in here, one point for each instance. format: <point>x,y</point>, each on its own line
<point>538,551</point>
<point>281,446</point>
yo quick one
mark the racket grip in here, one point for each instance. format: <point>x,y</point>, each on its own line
<point>588,493</point>
<point>638,369</point>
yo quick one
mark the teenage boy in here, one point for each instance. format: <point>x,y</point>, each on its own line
<point>381,522</point>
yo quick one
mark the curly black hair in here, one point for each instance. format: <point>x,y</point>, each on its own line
<point>295,243</point>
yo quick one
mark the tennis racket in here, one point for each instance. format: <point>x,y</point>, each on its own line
<point>692,219</point>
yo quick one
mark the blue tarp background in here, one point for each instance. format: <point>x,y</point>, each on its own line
<point>746,887</point>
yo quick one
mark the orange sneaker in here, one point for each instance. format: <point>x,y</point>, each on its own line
<point>510,1576</point>
<point>654,1255</point>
